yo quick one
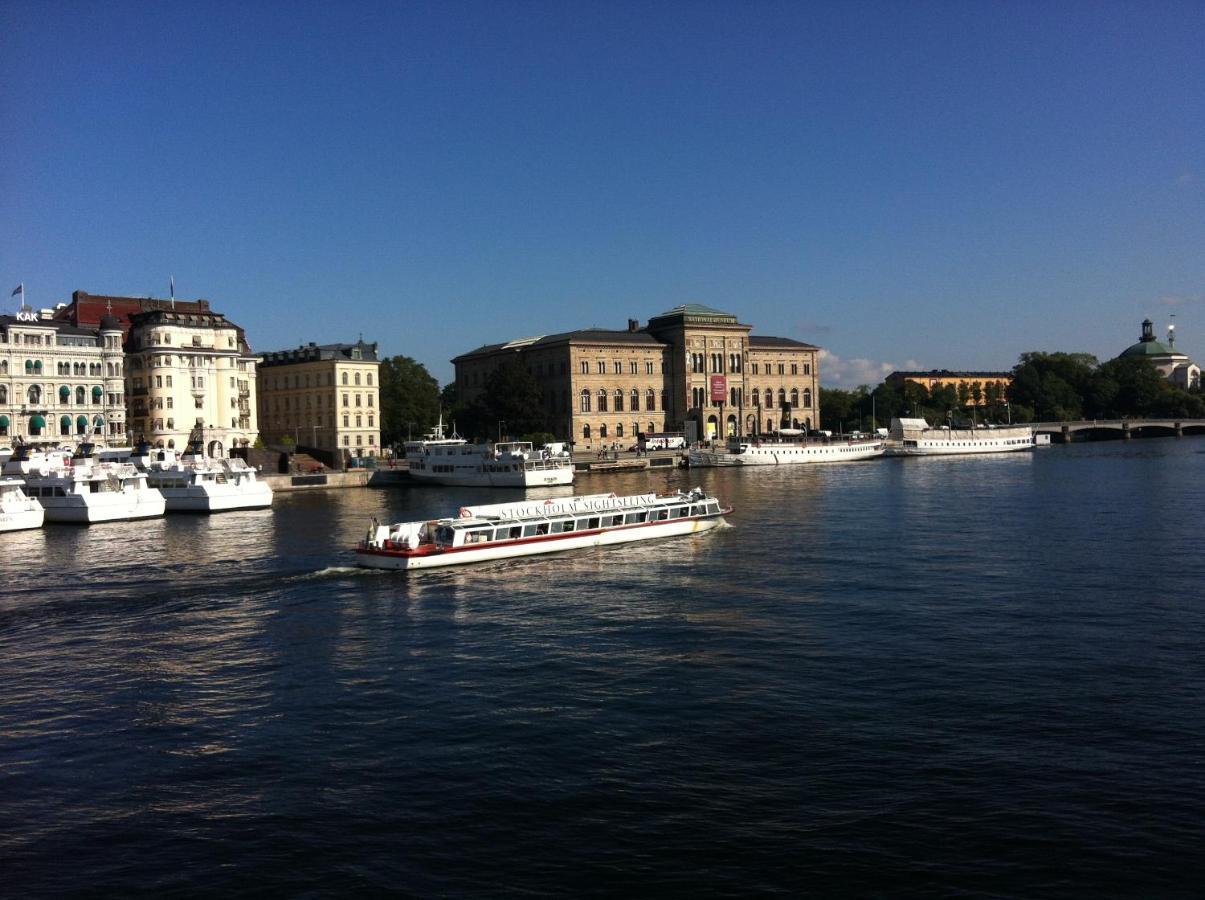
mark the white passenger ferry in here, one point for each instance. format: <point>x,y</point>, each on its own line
<point>437,459</point>
<point>193,482</point>
<point>506,530</point>
<point>749,451</point>
<point>83,490</point>
<point>914,437</point>
<point>17,510</point>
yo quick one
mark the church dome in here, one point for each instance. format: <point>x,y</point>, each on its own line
<point>1147,345</point>
<point>110,322</point>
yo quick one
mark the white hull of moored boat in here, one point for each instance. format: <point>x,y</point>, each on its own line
<point>117,506</point>
<point>776,454</point>
<point>19,520</point>
<point>203,500</point>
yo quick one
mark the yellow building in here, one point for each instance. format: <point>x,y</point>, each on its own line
<point>693,369</point>
<point>322,397</point>
<point>941,378</point>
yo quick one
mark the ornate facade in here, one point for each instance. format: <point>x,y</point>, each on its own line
<point>189,371</point>
<point>692,369</point>
<point>60,382</point>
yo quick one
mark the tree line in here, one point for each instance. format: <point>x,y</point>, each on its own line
<point>1046,387</point>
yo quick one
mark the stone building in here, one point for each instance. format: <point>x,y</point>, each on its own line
<point>60,382</point>
<point>1175,367</point>
<point>190,371</point>
<point>693,369</point>
<point>322,397</point>
<point>941,378</point>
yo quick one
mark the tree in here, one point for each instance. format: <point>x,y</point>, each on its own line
<point>512,396</point>
<point>410,399</point>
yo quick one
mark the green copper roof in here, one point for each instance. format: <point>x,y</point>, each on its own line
<point>699,313</point>
<point>1146,348</point>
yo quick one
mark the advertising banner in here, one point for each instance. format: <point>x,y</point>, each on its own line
<point>719,388</point>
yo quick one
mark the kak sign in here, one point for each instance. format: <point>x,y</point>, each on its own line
<point>719,388</point>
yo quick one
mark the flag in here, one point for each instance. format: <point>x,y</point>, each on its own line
<point>173,280</point>
<point>19,289</point>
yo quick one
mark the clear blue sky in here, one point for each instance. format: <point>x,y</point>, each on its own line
<point>903,183</point>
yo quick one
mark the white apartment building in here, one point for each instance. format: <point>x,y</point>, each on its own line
<point>59,382</point>
<point>190,369</point>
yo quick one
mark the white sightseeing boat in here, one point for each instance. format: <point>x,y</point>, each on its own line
<point>750,451</point>
<point>507,530</point>
<point>914,437</point>
<point>18,510</point>
<point>193,482</point>
<point>437,459</point>
<point>83,490</point>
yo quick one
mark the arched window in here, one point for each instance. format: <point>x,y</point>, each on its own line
<point>782,397</point>
<point>3,366</point>
<point>81,424</point>
<point>37,367</point>
<point>586,430</point>
<point>635,399</point>
<point>357,379</point>
<point>602,402</point>
<point>652,426</point>
<point>602,430</point>
<point>79,395</point>
<point>35,395</point>
<point>618,400</point>
<point>756,397</point>
<point>807,397</point>
<point>29,367</point>
<point>650,399</point>
<point>794,397</point>
<point>3,394</point>
<point>585,404</point>
<point>619,430</point>
<point>65,425</point>
<point>345,378</point>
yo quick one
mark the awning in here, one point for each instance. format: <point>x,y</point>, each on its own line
<point>65,424</point>
<point>98,421</point>
<point>64,391</point>
<point>81,422</point>
<point>3,421</point>
<point>96,391</point>
<point>37,422</point>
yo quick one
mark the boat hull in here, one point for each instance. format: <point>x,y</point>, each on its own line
<point>527,479</point>
<point>205,500</point>
<point>21,519</point>
<point>955,448</point>
<point>390,559</point>
<point>114,507</point>
<point>787,454</point>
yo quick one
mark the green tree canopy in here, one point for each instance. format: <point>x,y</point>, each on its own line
<point>512,400</point>
<point>409,399</point>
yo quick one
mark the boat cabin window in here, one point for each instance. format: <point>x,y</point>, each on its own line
<point>678,512</point>
<point>514,531</point>
<point>634,517</point>
<point>660,515</point>
<point>567,525</point>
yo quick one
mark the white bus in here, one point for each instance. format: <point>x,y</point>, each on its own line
<point>662,440</point>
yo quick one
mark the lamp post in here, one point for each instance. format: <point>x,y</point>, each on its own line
<point>501,425</point>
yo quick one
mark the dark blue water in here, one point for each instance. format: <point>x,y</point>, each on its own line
<point>965,677</point>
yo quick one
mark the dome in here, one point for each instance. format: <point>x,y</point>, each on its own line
<point>110,322</point>
<point>1147,345</point>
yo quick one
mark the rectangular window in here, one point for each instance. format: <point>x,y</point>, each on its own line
<point>633,368</point>
<point>602,367</point>
<point>618,367</point>
<point>585,367</point>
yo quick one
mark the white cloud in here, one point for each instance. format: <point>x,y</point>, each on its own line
<point>850,373</point>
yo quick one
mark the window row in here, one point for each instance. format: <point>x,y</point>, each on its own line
<point>615,400</point>
<point>603,432</point>
<point>600,366</point>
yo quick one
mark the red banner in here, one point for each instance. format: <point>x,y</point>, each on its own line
<point>719,388</point>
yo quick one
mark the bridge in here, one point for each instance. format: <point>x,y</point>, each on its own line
<point>1098,429</point>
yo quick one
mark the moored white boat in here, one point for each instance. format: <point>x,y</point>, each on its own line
<point>914,437</point>
<point>79,489</point>
<point>507,530</point>
<point>17,510</point>
<point>196,483</point>
<point>453,461</point>
<point>750,451</point>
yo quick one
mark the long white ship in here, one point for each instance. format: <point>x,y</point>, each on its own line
<point>437,459</point>
<point>915,437</point>
<point>82,490</point>
<point>17,510</point>
<point>761,452</point>
<point>193,482</point>
<point>506,530</point>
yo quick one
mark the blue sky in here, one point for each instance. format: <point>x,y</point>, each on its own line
<point>906,184</point>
